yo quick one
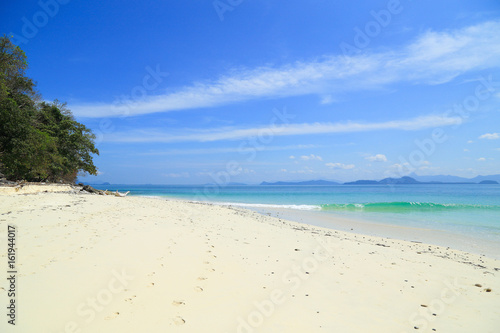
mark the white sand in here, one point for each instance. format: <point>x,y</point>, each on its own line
<point>31,189</point>
<point>91,263</point>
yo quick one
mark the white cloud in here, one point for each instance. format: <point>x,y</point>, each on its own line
<point>466,150</point>
<point>481,159</point>
<point>283,170</point>
<point>340,166</point>
<point>229,133</point>
<point>428,168</point>
<point>399,169</point>
<point>490,136</point>
<point>328,99</point>
<point>433,58</point>
<point>377,158</point>
<point>311,157</point>
<point>292,157</point>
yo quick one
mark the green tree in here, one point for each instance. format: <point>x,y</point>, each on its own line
<point>74,141</point>
<point>38,140</point>
<point>13,81</point>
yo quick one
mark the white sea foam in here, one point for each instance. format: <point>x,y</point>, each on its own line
<point>298,207</point>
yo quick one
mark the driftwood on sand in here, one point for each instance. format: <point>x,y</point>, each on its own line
<point>118,194</point>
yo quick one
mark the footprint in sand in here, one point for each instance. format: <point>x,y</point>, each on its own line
<point>201,278</point>
<point>113,316</point>
<point>178,303</point>
<point>198,289</point>
<point>179,321</point>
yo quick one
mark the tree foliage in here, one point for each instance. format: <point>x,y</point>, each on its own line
<point>39,141</point>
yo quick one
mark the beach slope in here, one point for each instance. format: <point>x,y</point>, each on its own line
<point>88,263</point>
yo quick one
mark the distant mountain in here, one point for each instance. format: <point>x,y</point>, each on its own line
<point>453,179</point>
<point>488,182</point>
<point>308,182</point>
<point>403,180</point>
<point>228,184</point>
<point>385,181</point>
<point>362,182</point>
<point>481,178</point>
<point>105,183</point>
<point>439,178</point>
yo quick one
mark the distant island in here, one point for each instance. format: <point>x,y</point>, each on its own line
<point>308,182</point>
<point>488,182</point>
<point>406,180</point>
<point>105,183</point>
<point>402,180</point>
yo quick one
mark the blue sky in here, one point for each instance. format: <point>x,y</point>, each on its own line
<point>191,92</point>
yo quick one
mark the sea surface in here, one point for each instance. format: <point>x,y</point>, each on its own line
<point>467,209</point>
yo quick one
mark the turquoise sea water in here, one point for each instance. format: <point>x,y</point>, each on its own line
<point>468,209</point>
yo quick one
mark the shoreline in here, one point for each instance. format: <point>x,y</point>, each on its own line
<point>474,244</point>
<point>364,226</point>
<point>164,265</point>
<point>445,238</point>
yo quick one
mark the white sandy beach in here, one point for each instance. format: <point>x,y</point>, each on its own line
<point>89,263</point>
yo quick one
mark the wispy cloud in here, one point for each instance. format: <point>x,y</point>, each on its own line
<point>311,157</point>
<point>328,99</point>
<point>490,136</point>
<point>377,158</point>
<point>340,166</point>
<point>228,133</point>
<point>432,58</point>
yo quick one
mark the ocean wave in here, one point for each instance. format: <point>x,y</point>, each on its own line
<point>391,207</point>
<point>298,207</point>
<point>387,207</point>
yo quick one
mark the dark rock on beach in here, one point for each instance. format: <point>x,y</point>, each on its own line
<point>90,189</point>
